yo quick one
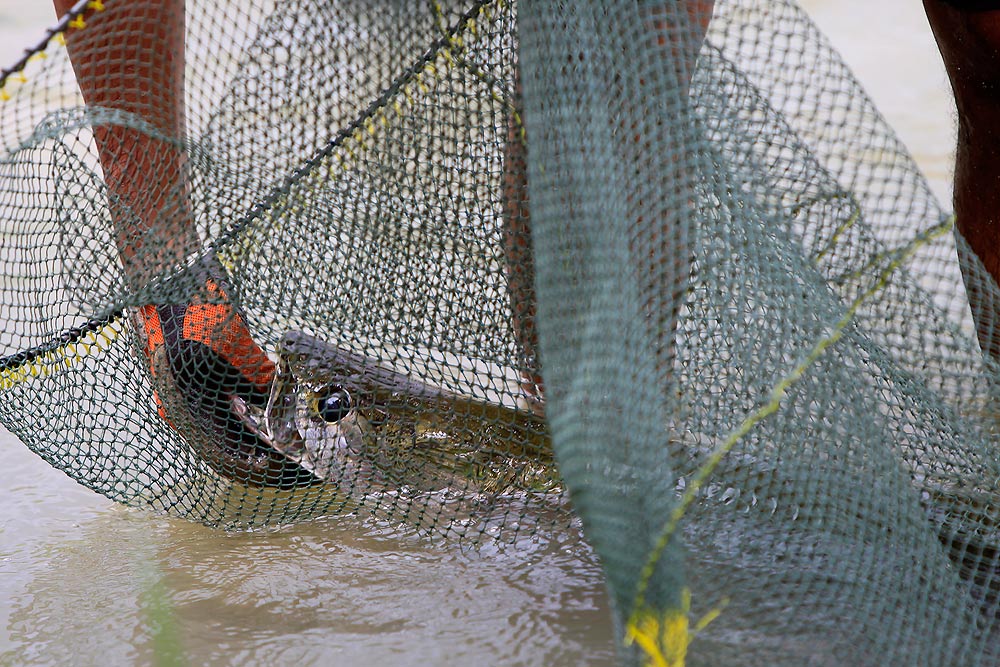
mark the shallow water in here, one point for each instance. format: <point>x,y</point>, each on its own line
<point>81,578</point>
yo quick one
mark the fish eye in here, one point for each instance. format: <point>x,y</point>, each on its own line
<point>333,403</point>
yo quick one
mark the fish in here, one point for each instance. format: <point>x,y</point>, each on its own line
<point>351,421</point>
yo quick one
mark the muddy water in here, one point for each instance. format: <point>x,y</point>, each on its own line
<point>86,589</point>
<point>85,582</point>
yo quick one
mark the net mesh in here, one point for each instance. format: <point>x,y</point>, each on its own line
<point>296,272</point>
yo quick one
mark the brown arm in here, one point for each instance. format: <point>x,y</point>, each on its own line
<point>968,36</point>
<point>130,57</point>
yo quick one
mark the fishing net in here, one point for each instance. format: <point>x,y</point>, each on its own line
<point>314,290</point>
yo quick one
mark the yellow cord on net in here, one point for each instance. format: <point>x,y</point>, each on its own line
<point>61,358</point>
<point>664,636</point>
<point>364,136</point>
<point>38,52</point>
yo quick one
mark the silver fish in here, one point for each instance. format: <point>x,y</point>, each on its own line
<point>348,420</point>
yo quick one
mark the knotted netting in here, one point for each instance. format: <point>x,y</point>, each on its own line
<point>163,220</point>
<point>263,261</point>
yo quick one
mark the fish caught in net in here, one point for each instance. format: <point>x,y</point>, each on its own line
<point>183,387</point>
<point>263,261</point>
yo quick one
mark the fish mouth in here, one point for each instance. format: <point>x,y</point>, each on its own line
<point>276,425</point>
<point>222,427</point>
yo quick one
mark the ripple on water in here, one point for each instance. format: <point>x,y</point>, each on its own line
<point>80,575</point>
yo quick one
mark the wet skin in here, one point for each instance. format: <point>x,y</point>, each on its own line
<point>968,36</point>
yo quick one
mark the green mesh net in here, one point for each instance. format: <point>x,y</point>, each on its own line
<point>330,188</point>
<point>297,271</point>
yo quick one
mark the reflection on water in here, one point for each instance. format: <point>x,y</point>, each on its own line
<point>78,576</point>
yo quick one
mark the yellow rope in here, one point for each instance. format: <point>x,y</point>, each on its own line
<point>660,635</point>
<point>63,357</point>
<point>19,77</point>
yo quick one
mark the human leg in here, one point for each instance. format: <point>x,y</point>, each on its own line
<point>129,59</point>
<point>968,36</point>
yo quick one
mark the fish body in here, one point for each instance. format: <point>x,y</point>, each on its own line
<point>348,420</point>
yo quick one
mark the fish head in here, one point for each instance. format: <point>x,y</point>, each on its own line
<point>312,414</point>
<point>350,420</point>
<point>337,413</point>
